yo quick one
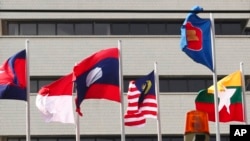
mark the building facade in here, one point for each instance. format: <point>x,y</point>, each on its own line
<point>62,33</point>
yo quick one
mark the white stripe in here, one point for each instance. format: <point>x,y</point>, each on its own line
<point>150,116</point>
<point>130,108</point>
<point>133,93</point>
<point>133,100</point>
<point>147,108</point>
<point>56,108</point>
<point>134,119</point>
<point>147,100</point>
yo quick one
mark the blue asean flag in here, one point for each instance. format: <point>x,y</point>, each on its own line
<point>13,77</point>
<point>97,77</point>
<point>196,38</point>
<point>146,86</point>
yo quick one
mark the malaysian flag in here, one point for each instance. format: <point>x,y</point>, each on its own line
<point>142,101</point>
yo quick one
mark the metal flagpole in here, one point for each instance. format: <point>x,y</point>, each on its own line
<point>158,102</point>
<point>77,122</point>
<point>243,92</point>
<point>121,92</point>
<point>217,127</point>
<point>27,93</point>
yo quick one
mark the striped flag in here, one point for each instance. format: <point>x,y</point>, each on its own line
<point>142,101</point>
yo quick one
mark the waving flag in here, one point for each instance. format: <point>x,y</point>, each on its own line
<point>196,38</point>
<point>230,99</point>
<point>54,100</point>
<point>13,77</point>
<point>97,77</point>
<point>142,101</point>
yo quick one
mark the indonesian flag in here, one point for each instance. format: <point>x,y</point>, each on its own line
<point>54,101</point>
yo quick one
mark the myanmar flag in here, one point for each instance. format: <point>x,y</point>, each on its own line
<point>230,104</point>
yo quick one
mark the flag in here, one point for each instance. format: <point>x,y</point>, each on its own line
<point>142,101</point>
<point>196,38</point>
<point>54,100</point>
<point>13,77</point>
<point>97,77</point>
<point>230,99</point>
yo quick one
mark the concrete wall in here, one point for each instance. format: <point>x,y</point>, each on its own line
<point>102,117</point>
<point>57,55</point>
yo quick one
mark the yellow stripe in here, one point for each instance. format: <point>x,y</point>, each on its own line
<point>233,79</point>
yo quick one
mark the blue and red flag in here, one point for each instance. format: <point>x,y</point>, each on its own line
<point>13,77</point>
<point>142,101</point>
<point>196,38</point>
<point>97,77</point>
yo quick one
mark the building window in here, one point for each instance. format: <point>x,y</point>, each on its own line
<point>13,29</point>
<point>120,29</point>
<point>223,27</point>
<point>157,29</point>
<point>28,29</point>
<point>102,29</point>
<point>83,29</point>
<point>65,29</point>
<point>46,29</point>
<point>165,84</point>
<point>138,29</point>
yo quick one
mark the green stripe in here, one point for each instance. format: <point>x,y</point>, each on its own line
<point>203,96</point>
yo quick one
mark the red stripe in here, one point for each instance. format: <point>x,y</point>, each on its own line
<point>103,91</point>
<point>138,119</point>
<point>88,63</point>
<point>236,112</point>
<point>145,112</point>
<point>136,123</point>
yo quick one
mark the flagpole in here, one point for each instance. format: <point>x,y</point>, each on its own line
<point>243,92</point>
<point>77,122</point>
<point>27,93</point>
<point>121,92</point>
<point>217,128</point>
<point>158,102</point>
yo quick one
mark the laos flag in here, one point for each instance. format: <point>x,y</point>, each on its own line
<point>13,77</point>
<point>97,77</point>
<point>196,38</point>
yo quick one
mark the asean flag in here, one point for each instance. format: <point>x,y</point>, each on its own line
<point>196,38</point>
<point>97,77</point>
<point>13,77</point>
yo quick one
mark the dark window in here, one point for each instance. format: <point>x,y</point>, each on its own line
<point>174,28</point>
<point>157,29</point>
<point>178,85</point>
<point>65,29</point>
<point>84,29</point>
<point>138,29</point>
<point>42,83</point>
<point>196,85</point>
<point>222,27</point>
<point>120,29</point>
<point>46,29</point>
<point>231,29</point>
<point>101,29</point>
<point>164,85</point>
<point>13,29</point>
<point>28,29</point>
<point>34,86</point>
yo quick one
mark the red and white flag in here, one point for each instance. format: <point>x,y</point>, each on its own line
<point>142,101</point>
<point>54,101</point>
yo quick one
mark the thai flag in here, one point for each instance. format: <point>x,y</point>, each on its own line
<point>13,77</point>
<point>97,77</point>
